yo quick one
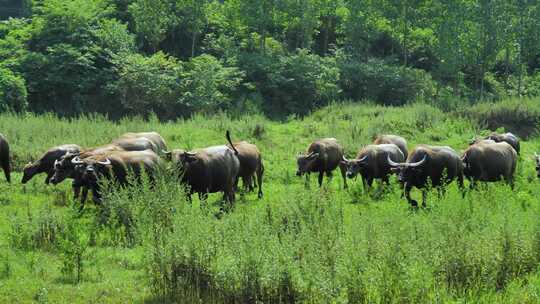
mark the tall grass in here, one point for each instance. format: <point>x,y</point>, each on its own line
<point>303,245</point>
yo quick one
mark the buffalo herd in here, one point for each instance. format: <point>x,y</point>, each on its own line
<point>219,168</point>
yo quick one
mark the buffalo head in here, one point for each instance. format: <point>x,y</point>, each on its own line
<point>407,171</point>
<point>87,171</point>
<point>29,171</point>
<point>306,162</point>
<point>63,167</point>
<point>355,166</point>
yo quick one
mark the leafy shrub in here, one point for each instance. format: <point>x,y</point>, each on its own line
<point>291,84</point>
<point>519,116</point>
<point>383,83</point>
<point>12,91</point>
<point>36,231</point>
<point>148,84</point>
<point>207,85</point>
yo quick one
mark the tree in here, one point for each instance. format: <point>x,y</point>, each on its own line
<point>12,91</point>
<point>152,19</point>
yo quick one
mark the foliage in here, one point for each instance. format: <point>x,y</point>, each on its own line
<point>384,83</point>
<point>292,84</point>
<point>12,91</point>
<point>148,84</point>
<point>208,86</point>
<point>390,51</point>
<point>520,116</point>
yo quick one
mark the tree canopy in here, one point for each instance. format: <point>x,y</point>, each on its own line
<point>281,57</point>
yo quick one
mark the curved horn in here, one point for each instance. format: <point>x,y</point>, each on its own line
<point>363,159</point>
<point>76,161</point>
<point>105,163</point>
<point>190,153</point>
<point>419,163</point>
<point>165,152</point>
<point>391,162</point>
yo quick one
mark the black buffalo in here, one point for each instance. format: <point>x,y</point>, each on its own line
<point>437,164</point>
<point>209,170</point>
<point>5,157</point>
<point>323,156</point>
<point>489,162</point>
<point>372,163</point>
<point>45,164</point>
<point>114,166</point>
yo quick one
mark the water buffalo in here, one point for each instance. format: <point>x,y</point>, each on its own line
<point>5,157</point>
<point>45,164</point>
<point>250,165</point>
<point>509,138</point>
<point>153,137</point>
<point>135,144</point>
<point>210,170</point>
<point>323,156</point>
<point>115,166</point>
<point>393,139</point>
<point>437,164</point>
<point>489,162</point>
<point>63,168</point>
<point>372,162</point>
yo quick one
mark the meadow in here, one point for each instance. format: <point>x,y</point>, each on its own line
<point>297,244</point>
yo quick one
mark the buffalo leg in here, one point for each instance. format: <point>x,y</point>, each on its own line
<point>369,182</point>
<point>364,184</point>
<point>7,170</point>
<point>76,192</point>
<point>343,169</point>
<point>321,175</point>
<point>407,191</point>
<point>84,195</point>
<point>260,172</point>
<point>48,178</point>
<point>306,184</point>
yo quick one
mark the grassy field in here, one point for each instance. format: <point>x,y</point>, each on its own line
<point>297,244</point>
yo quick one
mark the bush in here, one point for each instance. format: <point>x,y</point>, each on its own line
<point>208,86</point>
<point>519,116</point>
<point>148,84</point>
<point>12,91</point>
<point>294,84</point>
<point>383,83</point>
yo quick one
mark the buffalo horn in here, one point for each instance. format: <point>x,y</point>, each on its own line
<point>419,163</point>
<point>363,159</point>
<point>105,163</point>
<point>391,162</point>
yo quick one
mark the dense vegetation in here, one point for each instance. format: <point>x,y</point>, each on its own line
<point>297,244</point>
<point>278,57</point>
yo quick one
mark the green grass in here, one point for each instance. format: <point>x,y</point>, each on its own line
<point>295,245</point>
